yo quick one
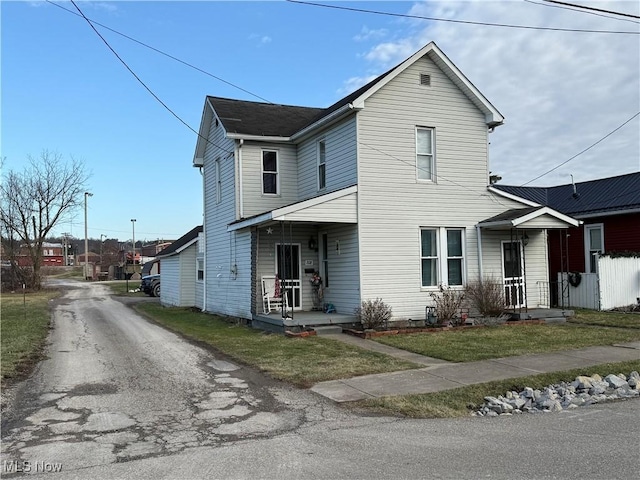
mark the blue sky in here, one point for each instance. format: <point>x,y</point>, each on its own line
<point>64,91</point>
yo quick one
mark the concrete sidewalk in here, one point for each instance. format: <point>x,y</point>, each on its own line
<point>445,376</point>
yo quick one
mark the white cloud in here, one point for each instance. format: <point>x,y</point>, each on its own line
<point>559,91</point>
<point>368,34</point>
<point>354,83</point>
<point>261,39</point>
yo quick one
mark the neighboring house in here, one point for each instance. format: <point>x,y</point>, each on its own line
<point>152,249</point>
<point>609,209</point>
<point>181,271</point>
<point>52,255</point>
<point>384,194</point>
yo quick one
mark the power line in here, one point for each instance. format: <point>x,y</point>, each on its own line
<point>145,85</point>
<point>580,153</point>
<point>412,165</point>
<point>583,7</point>
<point>581,11</point>
<point>162,53</point>
<point>466,22</point>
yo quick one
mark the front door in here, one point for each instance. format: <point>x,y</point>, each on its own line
<point>513,274</point>
<point>288,271</point>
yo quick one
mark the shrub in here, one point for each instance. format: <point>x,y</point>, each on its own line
<point>448,304</point>
<point>487,297</point>
<point>373,313</point>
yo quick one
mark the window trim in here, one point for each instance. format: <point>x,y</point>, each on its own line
<point>432,131</point>
<point>587,244</point>
<point>276,172</point>
<point>442,257</point>
<point>199,261</point>
<point>321,162</point>
<point>218,174</point>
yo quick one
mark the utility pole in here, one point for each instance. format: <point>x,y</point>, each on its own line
<point>101,235</point>
<point>86,238</point>
<point>133,226</point>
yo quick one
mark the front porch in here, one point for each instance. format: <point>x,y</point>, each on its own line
<point>298,320</point>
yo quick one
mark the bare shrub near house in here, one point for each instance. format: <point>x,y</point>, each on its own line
<point>486,297</point>
<point>448,304</point>
<point>373,313</point>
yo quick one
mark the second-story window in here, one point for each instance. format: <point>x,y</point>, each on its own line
<point>270,172</point>
<point>322,165</point>
<point>425,154</point>
<point>218,181</point>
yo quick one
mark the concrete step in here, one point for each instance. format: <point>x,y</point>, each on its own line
<point>328,330</point>
<point>555,320</point>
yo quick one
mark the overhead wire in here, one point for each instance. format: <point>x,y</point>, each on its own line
<point>465,22</point>
<point>572,9</point>
<point>157,50</point>
<point>583,151</point>
<point>145,85</point>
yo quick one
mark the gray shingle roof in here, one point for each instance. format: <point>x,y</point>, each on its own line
<point>595,196</point>
<point>264,119</point>
<point>182,241</point>
<point>269,119</point>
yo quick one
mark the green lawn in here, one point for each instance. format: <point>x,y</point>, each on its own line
<point>24,322</point>
<point>462,401</point>
<point>606,319</point>
<point>474,344</point>
<point>301,361</point>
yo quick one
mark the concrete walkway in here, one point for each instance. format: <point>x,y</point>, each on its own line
<point>440,375</point>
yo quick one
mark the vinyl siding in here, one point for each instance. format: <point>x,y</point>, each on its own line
<point>254,201</point>
<point>394,205</point>
<point>342,209</point>
<point>188,277</point>
<point>170,281</point>
<point>227,293</point>
<point>344,273</point>
<point>340,160</point>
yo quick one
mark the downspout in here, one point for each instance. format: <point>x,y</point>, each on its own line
<point>204,231</point>
<point>479,236</point>
<point>241,199</point>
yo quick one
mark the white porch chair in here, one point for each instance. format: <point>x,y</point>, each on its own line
<point>269,300</point>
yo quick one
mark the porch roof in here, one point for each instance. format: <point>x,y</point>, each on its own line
<point>334,207</point>
<point>531,218</point>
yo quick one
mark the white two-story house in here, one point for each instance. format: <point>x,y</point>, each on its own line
<point>383,194</point>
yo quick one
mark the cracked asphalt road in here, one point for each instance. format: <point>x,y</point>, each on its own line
<point>119,397</point>
<point>116,387</point>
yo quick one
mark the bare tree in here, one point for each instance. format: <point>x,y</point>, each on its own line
<point>35,200</point>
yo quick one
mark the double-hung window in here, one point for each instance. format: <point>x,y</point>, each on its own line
<point>270,178</point>
<point>200,269</point>
<point>593,245</point>
<point>322,165</point>
<point>425,153</point>
<point>442,256</point>
<point>218,181</point>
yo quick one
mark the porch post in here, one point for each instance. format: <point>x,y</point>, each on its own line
<point>479,236</point>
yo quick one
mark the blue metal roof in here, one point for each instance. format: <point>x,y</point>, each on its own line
<point>595,196</point>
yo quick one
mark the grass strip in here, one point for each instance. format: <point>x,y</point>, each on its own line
<point>474,344</point>
<point>24,322</point>
<point>606,319</point>
<point>462,401</point>
<point>301,361</point>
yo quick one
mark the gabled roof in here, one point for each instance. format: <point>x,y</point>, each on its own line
<point>339,206</point>
<point>258,119</point>
<point>530,217</point>
<point>183,242</point>
<point>604,196</point>
<point>263,119</point>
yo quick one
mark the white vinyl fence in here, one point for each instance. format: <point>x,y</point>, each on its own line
<point>617,284</point>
